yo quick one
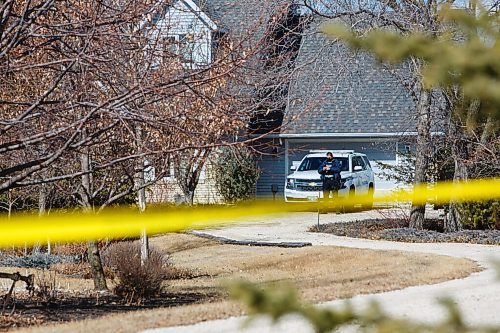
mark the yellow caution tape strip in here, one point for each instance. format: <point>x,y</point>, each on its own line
<point>24,229</point>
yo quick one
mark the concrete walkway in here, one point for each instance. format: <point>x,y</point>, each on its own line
<point>478,295</point>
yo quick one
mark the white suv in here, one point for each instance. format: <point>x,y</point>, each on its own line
<point>305,184</point>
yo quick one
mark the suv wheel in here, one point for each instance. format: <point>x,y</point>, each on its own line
<point>368,204</point>
<point>352,193</point>
<point>349,207</point>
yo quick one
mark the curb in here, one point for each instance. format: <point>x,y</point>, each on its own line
<point>249,243</point>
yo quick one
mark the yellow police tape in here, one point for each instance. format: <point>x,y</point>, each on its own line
<point>24,229</point>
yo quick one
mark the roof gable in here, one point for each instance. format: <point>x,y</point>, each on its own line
<point>199,13</point>
<point>184,6</point>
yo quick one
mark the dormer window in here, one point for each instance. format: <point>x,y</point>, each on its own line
<point>186,47</point>
<point>185,35</point>
<point>179,46</point>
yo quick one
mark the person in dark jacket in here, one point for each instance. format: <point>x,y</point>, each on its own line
<point>330,175</point>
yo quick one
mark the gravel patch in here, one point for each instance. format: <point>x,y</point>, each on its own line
<point>398,230</point>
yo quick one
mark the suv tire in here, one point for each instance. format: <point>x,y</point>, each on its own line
<point>368,204</point>
<point>349,206</point>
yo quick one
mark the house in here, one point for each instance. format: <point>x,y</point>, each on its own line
<point>339,99</point>
<point>336,98</point>
<point>193,30</point>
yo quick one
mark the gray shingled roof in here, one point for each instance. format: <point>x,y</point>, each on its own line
<point>240,17</point>
<point>338,91</point>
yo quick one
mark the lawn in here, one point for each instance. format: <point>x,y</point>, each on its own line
<point>321,273</point>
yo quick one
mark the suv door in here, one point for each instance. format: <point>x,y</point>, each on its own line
<point>361,177</point>
<point>369,170</point>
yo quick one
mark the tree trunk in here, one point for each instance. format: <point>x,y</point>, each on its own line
<point>417,214</point>
<point>10,204</point>
<point>141,202</point>
<point>453,220</point>
<point>188,166</point>
<point>189,196</point>
<point>42,200</point>
<point>92,246</point>
<point>42,205</point>
<point>96,266</point>
<point>139,182</point>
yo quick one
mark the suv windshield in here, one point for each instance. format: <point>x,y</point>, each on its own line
<point>313,163</point>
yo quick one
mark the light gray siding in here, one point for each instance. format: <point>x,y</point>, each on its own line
<point>182,19</point>
<point>168,191</point>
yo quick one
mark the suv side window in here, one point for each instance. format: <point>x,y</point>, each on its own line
<point>367,162</point>
<point>362,163</point>
<point>358,161</point>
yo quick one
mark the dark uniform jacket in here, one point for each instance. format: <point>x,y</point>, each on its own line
<point>334,171</point>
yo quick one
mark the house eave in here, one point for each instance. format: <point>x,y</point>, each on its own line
<point>350,135</point>
<point>344,135</point>
<point>200,14</point>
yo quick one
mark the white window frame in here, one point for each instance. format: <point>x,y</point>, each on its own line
<point>187,62</point>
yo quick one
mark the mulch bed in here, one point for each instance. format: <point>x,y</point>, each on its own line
<point>398,230</point>
<point>29,311</point>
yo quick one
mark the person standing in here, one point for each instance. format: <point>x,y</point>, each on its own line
<point>330,175</point>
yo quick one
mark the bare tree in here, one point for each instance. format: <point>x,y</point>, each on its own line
<point>93,92</point>
<point>188,166</point>
<point>404,17</point>
<point>472,108</point>
<point>423,153</point>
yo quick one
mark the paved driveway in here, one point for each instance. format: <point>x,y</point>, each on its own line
<point>477,295</point>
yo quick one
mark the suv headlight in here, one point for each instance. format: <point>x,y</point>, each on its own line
<point>290,183</point>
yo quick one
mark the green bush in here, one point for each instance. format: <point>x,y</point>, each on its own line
<point>277,302</point>
<point>236,174</point>
<point>480,215</point>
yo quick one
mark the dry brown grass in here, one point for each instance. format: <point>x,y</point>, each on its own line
<point>321,273</point>
<point>57,249</point>
<point>62,281</point>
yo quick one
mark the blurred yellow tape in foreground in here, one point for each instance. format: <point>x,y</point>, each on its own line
<point>442,193</point>
<point>118,223</point>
